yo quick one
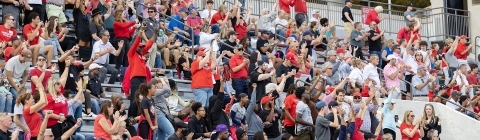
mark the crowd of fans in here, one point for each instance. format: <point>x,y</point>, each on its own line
<point>252,78</point>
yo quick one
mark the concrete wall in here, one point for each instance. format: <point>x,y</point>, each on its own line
<point>453,123</point>
<point>474,26</point>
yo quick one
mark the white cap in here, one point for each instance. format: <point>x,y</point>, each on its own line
<point>316,12</point>
<point>385,101</point>
<point>94,66</point>
<point>390,57</point>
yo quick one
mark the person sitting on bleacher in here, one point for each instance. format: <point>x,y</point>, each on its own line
<point>177,24</point>
<point>17,70</point>
<point>95,86</point>
<point>8,33</point>
<point>5,124</point>
<point>57,102</point>
<point>197,123</point>
<point>103,127</point>
<point>32,33</point>
<point>104,48</point>
<point>74,102</point>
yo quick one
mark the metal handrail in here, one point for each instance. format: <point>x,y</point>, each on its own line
<point>477,37</point>
<point>305,82</point>
<point>221,42</point>
<point>457,105</point>
<point>225,1</point>
<point>278,34</point>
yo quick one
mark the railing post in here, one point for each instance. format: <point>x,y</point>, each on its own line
<point>186,38</point>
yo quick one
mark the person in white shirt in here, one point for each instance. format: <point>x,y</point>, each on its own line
<point>462,81</point>
<point>455,96</point>
<point>281,23</point>
<point>101,48</point>
<point>370,71</point>
<point>315,16</point>
<point>356,76</point>
<point>207,14</point>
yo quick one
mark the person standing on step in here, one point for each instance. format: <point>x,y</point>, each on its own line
<point>301,12</point>
<point>104,48</point>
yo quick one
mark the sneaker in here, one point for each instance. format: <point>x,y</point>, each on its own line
<point>89,115</point>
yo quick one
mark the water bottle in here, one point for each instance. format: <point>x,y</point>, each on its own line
<point>160,33</point>
<point>170,74</point>
<point>181,74</point>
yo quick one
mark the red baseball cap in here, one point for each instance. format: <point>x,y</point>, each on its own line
<point>137,138</point>
<point>329,89</point>
<point>341,50</point>
<point>265,99</point>
<point>464,37</point>
<point>291,57</point>
<point>357,94</point>
<point>201,53</point>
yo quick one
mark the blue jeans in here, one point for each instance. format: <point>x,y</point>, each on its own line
<point>14,98</point>
<point>165,128</point>
<point>196,39</point>
<point>54,42</point>
<point>82,136</point>
<point>240,86</point>
<point>202,95</point>
<point>6,103</point>
<point>281,32</point>
<point>78,114</point>
<point>96,105</point>
<point>215,28</point>
<point>379,53</point>
<point>158,61</point>
<point>264,58</point>
<point>21,136</point>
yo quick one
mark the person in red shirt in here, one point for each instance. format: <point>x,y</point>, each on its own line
<point>32,33</point>
<point>285,5</point>
<point>7,33</point>
<point>410,129</point>
<point>373,16</point>
<point>123,30</point>
<point>472,77</point>
<point>300,11</point>
<point>219,19</point>
<point>41,73</point>
<point>202,78</point>
<point>57,102</point>
<point>196,23</point>
<point>239,66</point>
<point>136,59</point>
<point>30,112</point>
<point>290,107</point>
<point>241,26</point>
<point>462,51</point>
<point>405,32</point>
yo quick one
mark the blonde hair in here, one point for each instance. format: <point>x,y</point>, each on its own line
<point>222,8</point>
<point>51,86</point>
<point>264,11</point>
<point>424,118</point>
<point>448,41</point>
<point>270,87</point>
<point>389,43</point>
<point>356,63</point>
<point>405,117</point>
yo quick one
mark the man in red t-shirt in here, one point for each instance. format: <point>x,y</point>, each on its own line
<point>239,66</point>
<point>404,33</point>
<point>285,5</point>
<point>41,73</point>
<point>301,12</point>
<point>219,19</point>
<point>290,107</point>
<point>202,78</point>
<point>32,33</point>
<point>7,32</point>
<point>373,16</point>
<point>462,50</point>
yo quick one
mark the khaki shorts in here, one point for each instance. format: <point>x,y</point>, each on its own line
<point>171,53</point>
<point>53,10</point>
<point>348,29</point>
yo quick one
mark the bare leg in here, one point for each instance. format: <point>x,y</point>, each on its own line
<point>49,52</point>
<point>176,55</point>
<point>36,50</point>
<point>166,57</point>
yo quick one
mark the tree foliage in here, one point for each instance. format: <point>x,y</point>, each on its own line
<point>403,3</point>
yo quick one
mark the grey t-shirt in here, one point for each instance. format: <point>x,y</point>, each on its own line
<point>322,129</point>
<point>18,110</point>
<point>14,65</point>
<point>303,109</point>
<point>408,13</point>
<point>417,80</point>
<point>451,60</point>
<point>354,35</point>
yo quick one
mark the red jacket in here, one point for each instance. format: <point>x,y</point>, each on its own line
<point>138,62</point>
<point>123,29</point>
<point>373,16</point>
<point>150,131</point>
<point>301,6</point>
<point>126,80</point>
<point>285,5</point>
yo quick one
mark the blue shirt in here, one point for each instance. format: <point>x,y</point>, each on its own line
<point>174,23</point>
<point>388,118</point>
<point>389,51</point>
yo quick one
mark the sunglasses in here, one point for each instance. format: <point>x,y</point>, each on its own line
<point>151,11</point>
<point>57,83</point>
<point>357,97</point>
<point>413,116</point>
<point>12,19</point>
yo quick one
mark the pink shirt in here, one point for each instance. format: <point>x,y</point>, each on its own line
<point>387,71</point>
<point>194,21</point>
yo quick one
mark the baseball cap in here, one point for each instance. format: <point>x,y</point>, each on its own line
<point>241,95</point>
<point>201,53</point>
<point>421,68</point>
<point>221,128</point>
<point>409,4</point>
<point>181,125</point>
<point>96,11</point>
<point>357,94</point>
<point>332,104</point>
<point>316,12</point>
<point>306,33</point>
<point>183,10</point>
<point>240,133</point>
<point>265,99</point>
<point>326,66</point>
<point>291,57</point>
<point>137,138</point>
<point>258,64</point>
<point>15,38</point>
<point>94,66</point>
<point>192,8</point>
<point>390,57</point>
<point>27,54</point>
<point>341,50</point>
<point>369,136</point>
<point>385,101</point>
<point>320,104</point>
<point>464,37</point>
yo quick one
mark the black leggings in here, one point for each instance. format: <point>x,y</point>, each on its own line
<point>143,127</point>
<point>122,59</point>
<point>135,85</point>
<point>386,131</point>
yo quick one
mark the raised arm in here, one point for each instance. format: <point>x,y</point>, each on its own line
<point>66,135</point>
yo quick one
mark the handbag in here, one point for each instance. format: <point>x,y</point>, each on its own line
<point>168,115</point>
<point>68,123</point>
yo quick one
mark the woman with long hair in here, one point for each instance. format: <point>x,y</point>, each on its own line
<point>81,25</point>
<point>387,50</point>
<point>430,121</point>
<point>409,129</point>
<point>260,135</point>
<point>96,23</point>
<point>102,126</point>
<point>52,37</point>
<point>57,102</point>
<point>123,30</point>
<point>161,92</point>
<point>30,110</point>
<point>147,122</point>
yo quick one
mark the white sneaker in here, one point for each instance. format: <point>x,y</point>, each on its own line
<point>89,115</point>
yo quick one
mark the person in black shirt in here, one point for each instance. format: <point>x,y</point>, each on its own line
<point>232,41</point>
<point>82,33</point>
<point>263,45</point>
<point>347,18</point>
<point>197,122</point>
<point>184,64</point>
<point>147,119</point>
<point>5,124</point>
<point>334,132</point>
<point>261,78</point>
<point>95,86</point>
<point>270,117</point>
<point>181,132</point>
<point>289,71</point>
<point>375,41</point>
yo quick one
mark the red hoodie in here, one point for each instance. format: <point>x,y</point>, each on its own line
<point>137,62</point>
<point>126,80</point>
<point>285,5</point>
<point>123,29</point>
<point>301,6</point>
